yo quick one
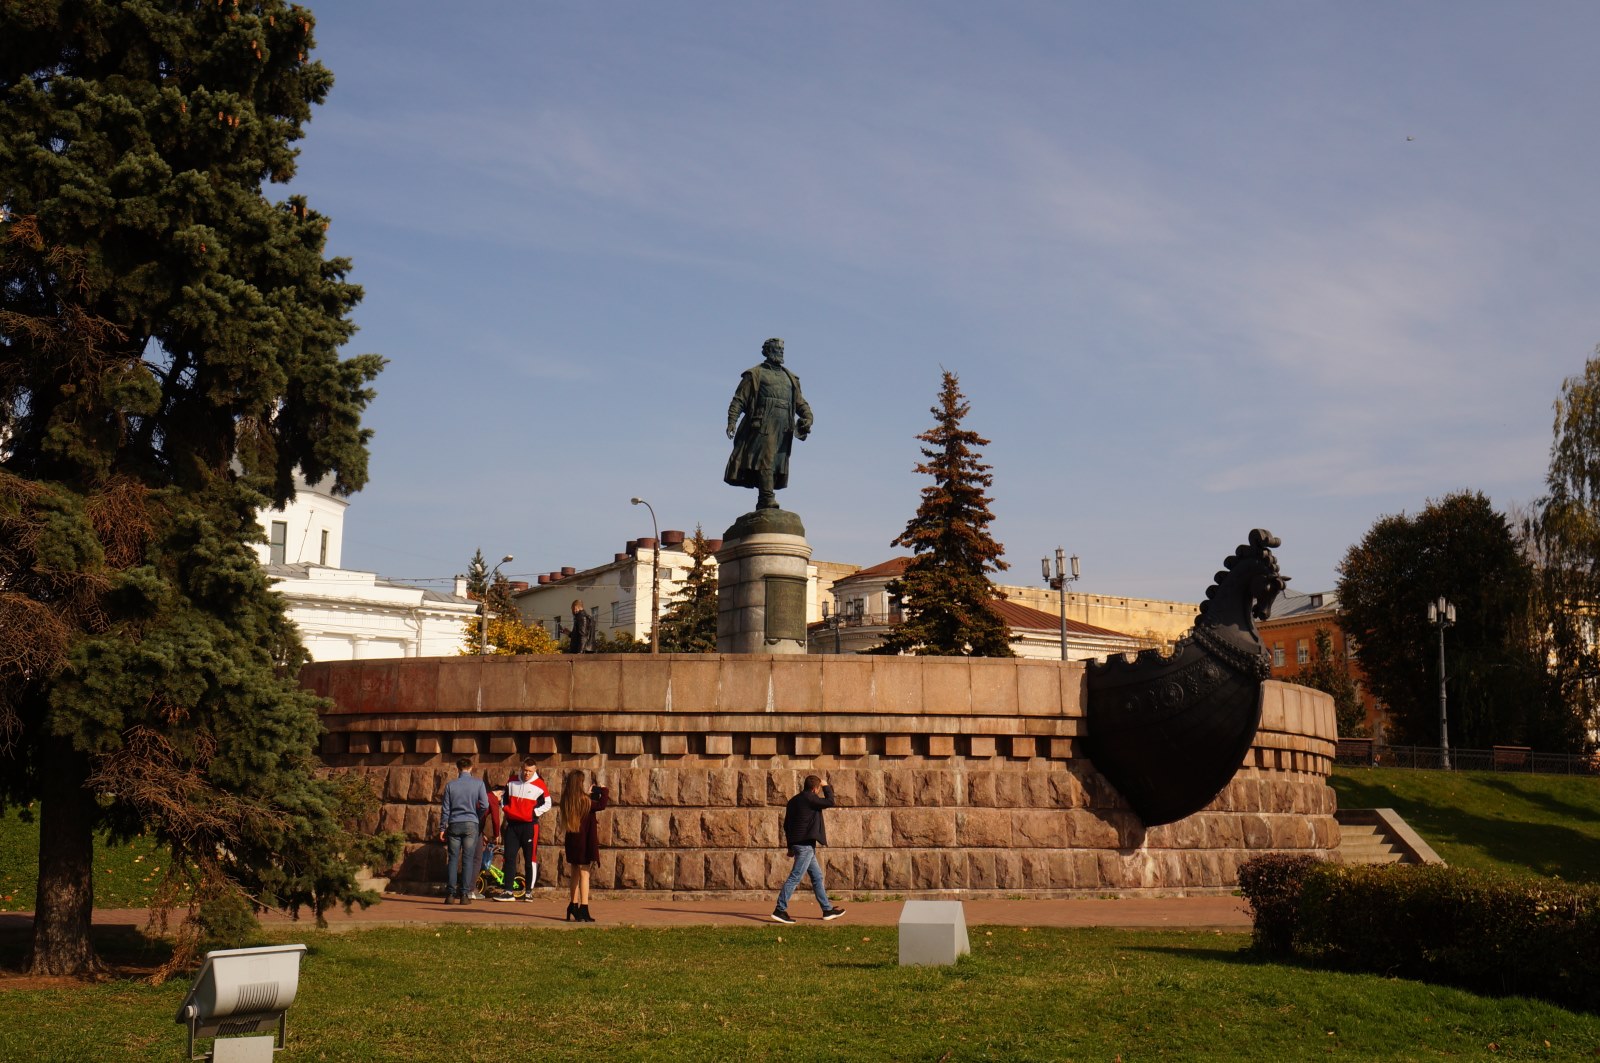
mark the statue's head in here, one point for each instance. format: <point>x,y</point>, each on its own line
<point>772,350</point>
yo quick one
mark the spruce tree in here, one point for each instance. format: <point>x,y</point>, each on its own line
<point>689,624</point>
<point>945,591</point>
<point>168,358</point>
<point>477,575</point>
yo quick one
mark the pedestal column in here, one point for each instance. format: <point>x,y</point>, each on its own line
<point>761,584</point>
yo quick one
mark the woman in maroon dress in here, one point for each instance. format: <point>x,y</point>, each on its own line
<point>578,808</point>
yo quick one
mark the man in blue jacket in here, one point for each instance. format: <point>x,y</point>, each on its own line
<point>466,800</point>
<point>804,830</point>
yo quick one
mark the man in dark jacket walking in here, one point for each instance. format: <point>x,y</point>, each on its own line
<point>804,830</point>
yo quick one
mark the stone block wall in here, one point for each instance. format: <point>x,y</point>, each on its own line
<point>955,776</point>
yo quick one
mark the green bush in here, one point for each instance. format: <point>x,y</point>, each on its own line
<point>1436,924</point>
<point>1272,884</point>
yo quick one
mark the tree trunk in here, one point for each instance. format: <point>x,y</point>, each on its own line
<point>64,904</point>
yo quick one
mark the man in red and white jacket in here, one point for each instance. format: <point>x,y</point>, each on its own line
<point>527,798</point>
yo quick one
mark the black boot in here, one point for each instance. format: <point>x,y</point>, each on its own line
<point>572,914</point>
<point>583,914</point>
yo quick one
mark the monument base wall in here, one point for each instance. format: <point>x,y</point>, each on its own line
<point>955,776</point>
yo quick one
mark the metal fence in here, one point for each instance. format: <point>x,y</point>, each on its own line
<point>1368,753</point>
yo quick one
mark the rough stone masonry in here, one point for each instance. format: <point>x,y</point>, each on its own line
<point>956,776</point>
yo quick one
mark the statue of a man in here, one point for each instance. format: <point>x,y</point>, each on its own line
<point>774,415</point>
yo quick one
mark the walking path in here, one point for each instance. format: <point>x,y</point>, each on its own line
<point>547,910</point>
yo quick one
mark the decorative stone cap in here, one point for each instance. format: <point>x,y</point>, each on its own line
<point>766,522</point>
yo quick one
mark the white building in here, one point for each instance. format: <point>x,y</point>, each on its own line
<point>618,593</point>
<point>345,614</point>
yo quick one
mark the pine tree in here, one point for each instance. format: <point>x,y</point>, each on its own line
<point>689,624</point>
<point>945,591</point>
<point>168,358</point>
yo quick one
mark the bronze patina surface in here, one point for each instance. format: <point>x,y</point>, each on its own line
<point>766,416</point>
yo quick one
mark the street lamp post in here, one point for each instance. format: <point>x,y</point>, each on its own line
<point>1059,582</point>
<point>1442,614</point>
<point>832,622</point>
<point>483,607</point>
<point>655,577</point>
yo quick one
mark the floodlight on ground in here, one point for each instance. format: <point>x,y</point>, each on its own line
<point>242,991</point>
<point>933,933</point>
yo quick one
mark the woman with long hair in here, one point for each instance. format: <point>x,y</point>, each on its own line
<point>578,807</point>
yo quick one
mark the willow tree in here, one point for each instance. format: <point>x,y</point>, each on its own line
<point>1564,532</point>
<point>945,590</point>
<point>169,342</point>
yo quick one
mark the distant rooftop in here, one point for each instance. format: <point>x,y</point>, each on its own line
<point>305,570</point>
<point>1026,617</point>
<point>1295,603</point>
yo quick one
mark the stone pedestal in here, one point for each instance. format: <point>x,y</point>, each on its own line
<point>761,584</point>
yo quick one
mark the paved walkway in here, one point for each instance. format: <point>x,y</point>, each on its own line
<point>547,909</point>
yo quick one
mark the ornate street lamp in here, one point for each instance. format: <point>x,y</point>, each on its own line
<point>655,577</point>
<point>833,622</point>
<point>1442,614</point>
<point>483,608</point>
<point>1059,582</point>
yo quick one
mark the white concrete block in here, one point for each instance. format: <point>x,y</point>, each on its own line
<point>932,932</point>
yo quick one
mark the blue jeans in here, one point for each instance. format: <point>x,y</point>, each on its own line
<point>805,859</point>
<point>461,869</point>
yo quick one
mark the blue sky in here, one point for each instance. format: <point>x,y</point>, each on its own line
<point>1200,267</point>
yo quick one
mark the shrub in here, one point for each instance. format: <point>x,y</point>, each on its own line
<point>1272,884</point>
<point>1435,924</point>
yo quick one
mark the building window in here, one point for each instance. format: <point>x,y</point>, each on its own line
<point>323,553</point>
<point>278,543</point>
<point>1277,655</point>
<point>1302,652</point>
<point>1350,647</point>
<point>616,613</point>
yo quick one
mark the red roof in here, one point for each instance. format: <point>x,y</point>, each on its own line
<point>1022,616</point>
<point>895,566</point>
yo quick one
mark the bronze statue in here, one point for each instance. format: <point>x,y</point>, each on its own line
<point>1170,732</point>
<point>775,415</point>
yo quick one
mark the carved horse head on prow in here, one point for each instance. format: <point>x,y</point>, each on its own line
<point>1245,589</point>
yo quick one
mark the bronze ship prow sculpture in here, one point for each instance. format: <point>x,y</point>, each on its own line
<point>1170,732</point>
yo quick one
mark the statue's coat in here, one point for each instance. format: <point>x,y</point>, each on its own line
<point>766,434</point>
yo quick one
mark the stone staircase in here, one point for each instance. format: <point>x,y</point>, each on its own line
<point>1380,836</point>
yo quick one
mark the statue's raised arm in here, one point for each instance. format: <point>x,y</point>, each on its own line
<point>765,417</point>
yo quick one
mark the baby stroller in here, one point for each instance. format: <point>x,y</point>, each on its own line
<point>491,879</point>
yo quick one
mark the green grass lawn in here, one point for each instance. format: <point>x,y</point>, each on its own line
<point>835,992</point>
<point>1492,821</point>
<point>804,993</point>
<point>125,876</point>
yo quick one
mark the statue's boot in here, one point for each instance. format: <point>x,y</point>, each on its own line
<point>767,495</point>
